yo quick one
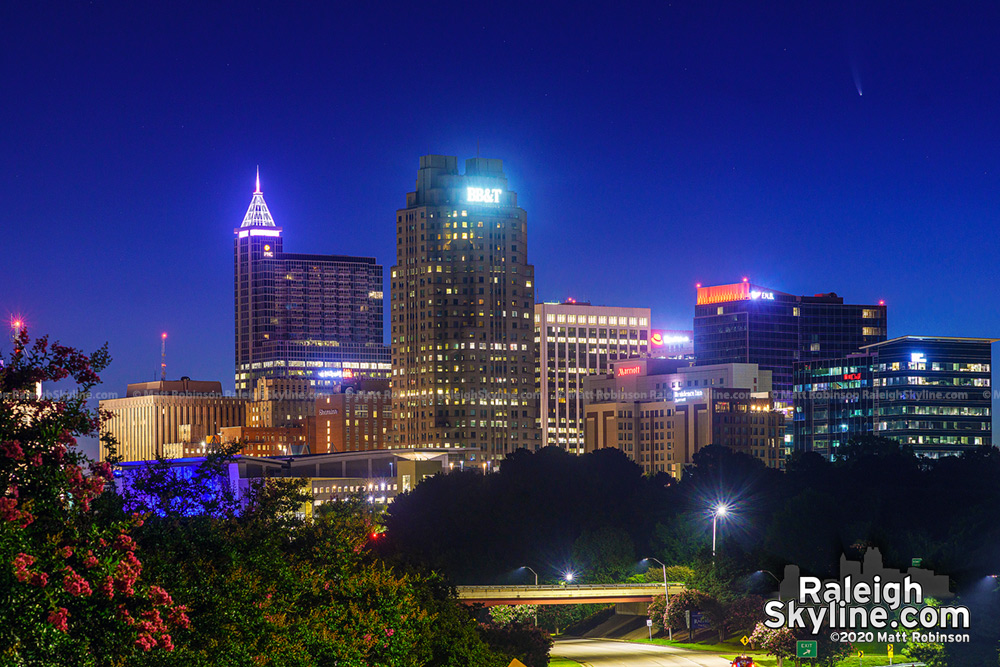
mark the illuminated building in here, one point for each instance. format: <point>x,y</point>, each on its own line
<point>671,344</point>
<point>317,317</point>
<point>932,393</point>
<point>574,340</point>
<point>746,323</point>
<point>463,354</point>
<point>160,418</point>
<point>359,418</point>
<point>660,413</point>
<point>377,477</point>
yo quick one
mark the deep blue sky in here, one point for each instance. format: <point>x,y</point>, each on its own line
<point>653,146</point>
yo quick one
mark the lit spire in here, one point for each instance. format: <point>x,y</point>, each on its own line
<point>257,214</point>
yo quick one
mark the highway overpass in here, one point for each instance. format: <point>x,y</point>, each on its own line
<point>577,594</point>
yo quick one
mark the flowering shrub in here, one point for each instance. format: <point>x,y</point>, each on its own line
<point>70,578</point>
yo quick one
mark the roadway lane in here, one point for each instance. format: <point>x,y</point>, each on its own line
<point>609,653</point>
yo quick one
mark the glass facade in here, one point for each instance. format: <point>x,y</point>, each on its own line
<point>315,317</point>
<point>744,323</point>
<point>932,393</point>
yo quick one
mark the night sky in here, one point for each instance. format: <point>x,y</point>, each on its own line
<point>813,147</point>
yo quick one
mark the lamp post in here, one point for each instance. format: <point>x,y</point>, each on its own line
<point>776,579</point>
<point>720,510</point>
<point>536,584</point>
<point>666,595</point>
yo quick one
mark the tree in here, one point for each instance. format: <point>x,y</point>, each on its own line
<point>688,600</point>
<point>779,643</point>
<point>72,586</point>
<point>605,554</point>
<point>509,614</point>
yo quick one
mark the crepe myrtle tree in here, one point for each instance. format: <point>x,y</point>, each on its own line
<point>71,588</point>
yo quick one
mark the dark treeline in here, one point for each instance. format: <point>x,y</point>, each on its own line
<point>598,515</point>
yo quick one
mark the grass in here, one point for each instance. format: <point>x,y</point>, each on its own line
<point>875,654</point>
<point>563,662</point>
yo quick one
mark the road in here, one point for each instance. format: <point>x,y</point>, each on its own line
<point>609,653</point>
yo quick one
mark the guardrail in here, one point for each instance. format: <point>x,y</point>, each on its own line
<point>569,592</point>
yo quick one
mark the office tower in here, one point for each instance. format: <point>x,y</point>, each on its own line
<point>745,323</point>
<point>314,317</point>
<point>463,356</point>
<point>933,393</point>
<point>574,340</point>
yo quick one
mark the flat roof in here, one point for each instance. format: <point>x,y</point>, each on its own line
<point>931,339</point>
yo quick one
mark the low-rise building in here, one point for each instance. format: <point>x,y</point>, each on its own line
<point>660,413</point>
<point>157,418</point>
<point>358,418</point>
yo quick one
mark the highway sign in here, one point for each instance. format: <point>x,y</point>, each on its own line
<point>806,649</point>
<point>744,640</point>
<point>649,622</point>
<point>915,562</point>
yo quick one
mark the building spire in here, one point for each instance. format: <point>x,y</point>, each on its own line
<point>257,214</point>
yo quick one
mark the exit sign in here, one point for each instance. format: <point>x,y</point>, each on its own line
<point>806,649</point>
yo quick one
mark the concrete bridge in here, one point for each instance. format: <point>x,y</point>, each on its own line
<point>575,594</point>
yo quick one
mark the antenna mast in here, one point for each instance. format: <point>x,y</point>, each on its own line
<point>163,357</point>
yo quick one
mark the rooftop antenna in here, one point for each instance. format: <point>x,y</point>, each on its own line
<point>163,357</point>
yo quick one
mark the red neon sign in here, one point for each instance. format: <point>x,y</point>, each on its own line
<point>852,376</point>
<point>622,371</point>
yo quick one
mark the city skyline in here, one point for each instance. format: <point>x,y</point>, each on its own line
<point>735,145</point>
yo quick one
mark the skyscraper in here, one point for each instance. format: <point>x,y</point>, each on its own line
<point>317,317</point>
<point>744,323</point>
<point>575,340</point>
<point>462,298</point>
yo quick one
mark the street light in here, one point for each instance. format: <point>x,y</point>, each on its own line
<point>775,578</point>
<point>536,584</point>
<point>666,594</point>
<point>569,577</point>
<point>720,510</point>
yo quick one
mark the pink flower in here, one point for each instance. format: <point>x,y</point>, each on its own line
<point>145,642</point>
<point>160,596</point>
<point>12,449</point>
<point>36,460</point>
<point>76,585</point>
<point>59,618</point>
<point>65,552</point>
<point>389,632</point>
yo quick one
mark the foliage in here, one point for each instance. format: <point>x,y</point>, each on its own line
<point>657,608</point>
<point>509,614</point>
<point>266,588</point>
<point>689,599</point>
<point>742,613</point>
<point>779,643</point>
<point>73,590</point>
<point>606,555</point>
<point>527,643</point>
<point>556,617</point>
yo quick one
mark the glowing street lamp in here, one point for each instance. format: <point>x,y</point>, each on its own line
<point>536,584</point>
<point>773,577</point>
<point>666,594</point>
<point>569,577</point>
<point>720,511</point>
